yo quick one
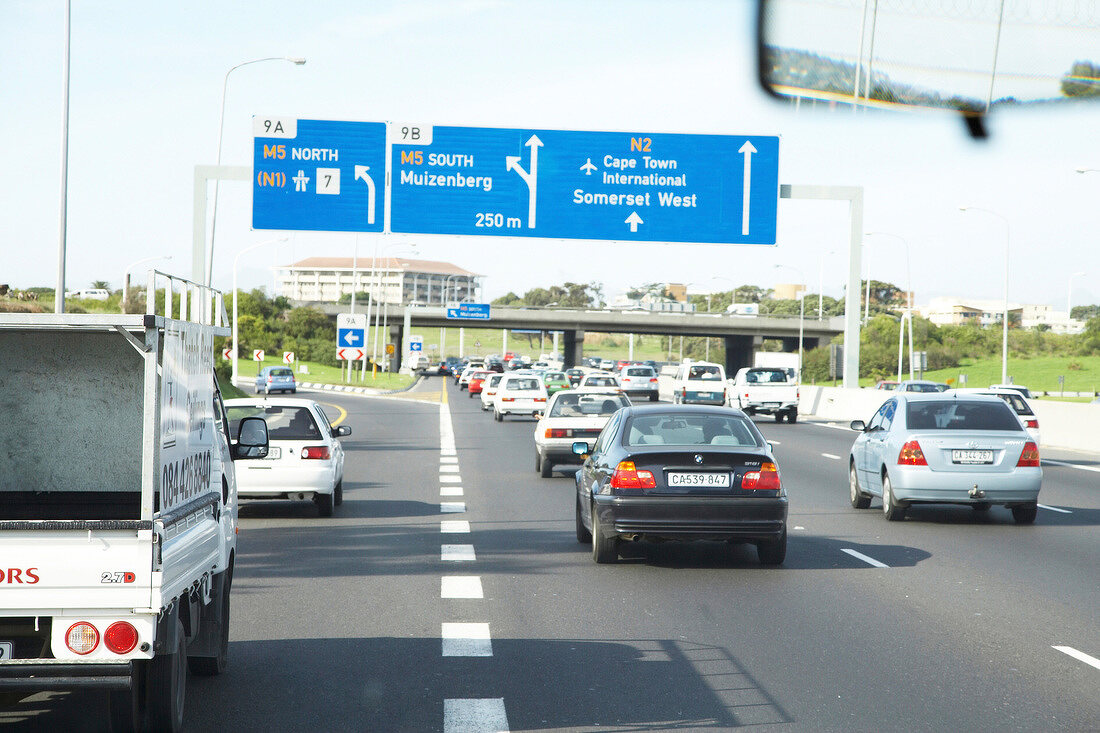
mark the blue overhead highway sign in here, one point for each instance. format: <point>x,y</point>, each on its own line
<point>626,186</point>
<point>318,175</point>
<point>469,311</point>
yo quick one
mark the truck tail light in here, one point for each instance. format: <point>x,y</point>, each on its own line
<point>559,433</point>
<point>317,451</point>
<point>540,399</point>
<point>120,637</point>
<point>627,476</point>
<point>82,638</point>
<point>766,479</point>
<point>1029,457</point>
<point>911,455</point>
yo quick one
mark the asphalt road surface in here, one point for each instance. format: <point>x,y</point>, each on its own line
<point>449,593</point>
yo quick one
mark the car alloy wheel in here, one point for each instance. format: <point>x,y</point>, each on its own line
<point>855,495</point>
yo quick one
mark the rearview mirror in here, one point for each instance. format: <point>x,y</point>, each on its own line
<point>891,55</point>
<point>342,431</point>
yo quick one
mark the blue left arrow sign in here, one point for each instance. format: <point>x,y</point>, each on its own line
<point>350,337</point>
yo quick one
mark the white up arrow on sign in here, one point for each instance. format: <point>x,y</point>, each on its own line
<point>634,220</point>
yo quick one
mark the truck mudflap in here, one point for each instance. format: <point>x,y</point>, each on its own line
<point>43,674</point>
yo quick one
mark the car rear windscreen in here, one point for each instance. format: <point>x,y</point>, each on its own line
<point>577,404</point>
<point>283,423</point>
<point>960,415</point>
<point>281,373</point>
<point>522,384</point>
<point>602,382</point>
<point>680,430</point>
<point>757,376</point>
<point>639,372</point>
<point>704,372</point>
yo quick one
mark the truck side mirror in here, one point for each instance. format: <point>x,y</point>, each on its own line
<point>252,440</point>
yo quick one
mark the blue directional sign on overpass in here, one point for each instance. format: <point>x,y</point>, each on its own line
<point>623,186</point>
<point>469,311</point>
<point>318,175</point>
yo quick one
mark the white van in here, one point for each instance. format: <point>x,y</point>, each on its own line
<point>699,383</point>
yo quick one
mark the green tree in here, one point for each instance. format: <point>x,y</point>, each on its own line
<point>508,298</point>
<point>101,284</point>
<point>1084,312</point>
<point>1082,80</point>
<point>309,323</point>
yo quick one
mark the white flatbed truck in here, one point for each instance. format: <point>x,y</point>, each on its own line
<point>118,506</point>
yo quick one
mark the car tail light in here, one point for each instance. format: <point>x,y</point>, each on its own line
<point>627,476</point>
<point>684,393</point>
<point>653,379</point>
<point>559,433</point>
<point>540,399</point>
<point>316,451</point>
<point>746,395</point>
<point>1029,457</point>
<point>766,479</point>
<point>1032,423</point>
<point>911,455</point>
<point>270,379</point>
<point>120,637</point>
<point>82,638</point>
<point>507,399</point>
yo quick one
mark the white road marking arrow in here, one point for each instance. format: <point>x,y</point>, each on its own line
<point>588,167</point>
<point>634,220</point>
<point>747,150</point>
<point>511,162</point>
<point>361,172</point>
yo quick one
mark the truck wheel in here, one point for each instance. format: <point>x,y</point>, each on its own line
<point>792,416</point>
<point>211,666</point>
<point>779,417</point>
<point>324,504</point>
<point>166,687</point>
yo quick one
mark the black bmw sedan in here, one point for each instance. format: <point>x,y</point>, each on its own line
<point>680,472</point>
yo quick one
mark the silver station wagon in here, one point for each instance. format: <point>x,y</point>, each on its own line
<point>945,449</point>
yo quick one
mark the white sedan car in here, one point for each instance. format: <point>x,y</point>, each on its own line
<point>572,416</point>
<point>600,382</point>
<point>519,395</point>
<point>304,461</point>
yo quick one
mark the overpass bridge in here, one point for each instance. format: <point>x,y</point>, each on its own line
<point>741,334</point>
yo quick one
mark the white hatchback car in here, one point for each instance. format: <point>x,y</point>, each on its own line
<point>519,395</point>
<point>572,416</point>
<point>600,382</point>
<point>304,460</point>
<point>489,390</point>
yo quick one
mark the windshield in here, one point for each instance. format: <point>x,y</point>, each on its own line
<point>960,415</point>
<point>283,423</point>
<point>681,430</point>
<point>639,372</point>
<point>601,382</point>
<point>576,404</point>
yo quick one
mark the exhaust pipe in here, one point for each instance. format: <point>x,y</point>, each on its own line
<point>976,493</point>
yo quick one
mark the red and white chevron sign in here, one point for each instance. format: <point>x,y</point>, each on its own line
<point>348,354</point>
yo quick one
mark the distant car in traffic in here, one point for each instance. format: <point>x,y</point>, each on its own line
<point>519,394</point>
<point>463,379</point>
<point>450,365</point>
<point>555,382</point>
<point>489,391</point>
<point>921,385</point>
<point>1013,399</point>
<point>1015,387</point>
<point>276,379</point>
<point>477,379</point>
<point>572,416</point>
<point>886,384</point>
<point>700,383</point>
<point>600,381</point>
<point>944,449</point>
<point>670,472</point>
<point>640,380</point>
<point>575,376</point>
<point>305,461</point>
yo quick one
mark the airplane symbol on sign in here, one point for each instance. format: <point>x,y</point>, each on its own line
<point>588,167</point>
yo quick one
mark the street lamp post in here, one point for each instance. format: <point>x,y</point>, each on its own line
<point>126,277</point>
<point>236,261</point>
<point>297,61</point>
<point>1004,317</point>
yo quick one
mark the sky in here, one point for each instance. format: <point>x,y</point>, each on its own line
<point>146,81</point>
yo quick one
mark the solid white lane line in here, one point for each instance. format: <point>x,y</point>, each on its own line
<point>832,425</point>
<point>1054,509</point>
<point>445,468</point>
<point>1078,466</point>
<point>457,553</point>
<point>454,526</point>
<point>448,459</point>
<point>860,556</point>
<point>460,586</point>
<point>466,640</point>
<point>450,491</point>
<point>448,479</point>
<point>1079,656</point>
<point>798,526</point>
<point>830,455</point>
<point>475,716</point>
<point>452,507</point>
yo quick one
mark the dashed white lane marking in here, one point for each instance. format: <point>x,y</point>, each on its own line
<point>460,586</point>
<point>457,553</point>
<point>832,425</point>
<point>452,507</point>
<point>1079,656</point>
<point>466,640</point>
<point>830,455</point>
<point>448,459</point>
<point>450,491</point>
<point>1078,466</point>
<point>444,452</point>
<point>448,479</point>
<point>1054,509</point>
<point>446,468</point>
<point>454,526</point>
<point>860,556</point>
<point>486,715</point>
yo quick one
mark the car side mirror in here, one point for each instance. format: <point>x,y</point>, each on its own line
<point>252,440</point>
<point>580,448</point>
<point>342,430</point>
<point>858,425</point>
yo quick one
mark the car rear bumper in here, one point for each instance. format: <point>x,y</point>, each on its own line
<point>42,674</point>
<point>260,482</point>
<point>950,487</point>
<point>711,517</point>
